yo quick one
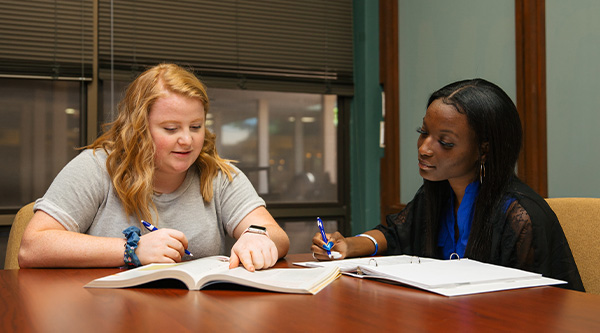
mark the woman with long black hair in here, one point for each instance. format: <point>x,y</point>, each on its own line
<point>471,203</point>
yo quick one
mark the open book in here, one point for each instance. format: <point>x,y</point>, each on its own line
<point>445,277</point>
<point>200,273</point>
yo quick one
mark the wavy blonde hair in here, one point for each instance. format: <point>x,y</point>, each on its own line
<point>130,147</point>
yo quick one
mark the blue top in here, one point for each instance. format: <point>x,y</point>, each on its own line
<point>466,210</point>
<point>464,219</point>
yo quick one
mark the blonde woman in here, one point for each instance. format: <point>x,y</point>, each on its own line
<point>157,163</point>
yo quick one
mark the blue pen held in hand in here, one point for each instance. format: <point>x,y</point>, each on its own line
<point>328,244</point>
<point>150,227</point>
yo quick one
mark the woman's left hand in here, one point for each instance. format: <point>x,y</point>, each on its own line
<point>253,251</point>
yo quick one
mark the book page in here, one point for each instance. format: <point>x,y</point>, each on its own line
<point>288,280</point>
<point>189,272</point>
<point>199,268</point>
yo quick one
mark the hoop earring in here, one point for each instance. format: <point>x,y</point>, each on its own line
<point>481,172</point>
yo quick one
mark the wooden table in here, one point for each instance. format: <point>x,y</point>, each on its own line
<point>54,300</point>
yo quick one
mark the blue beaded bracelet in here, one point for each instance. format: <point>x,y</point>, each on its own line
<point>132,234</point>
<point>372,239</point>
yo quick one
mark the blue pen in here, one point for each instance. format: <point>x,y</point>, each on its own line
<point>327,246</point>
<point>150,227</point>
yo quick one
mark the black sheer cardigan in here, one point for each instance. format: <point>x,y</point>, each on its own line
<point>528,236</point>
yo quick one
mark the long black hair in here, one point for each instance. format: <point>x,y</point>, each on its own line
<point>494,119</point>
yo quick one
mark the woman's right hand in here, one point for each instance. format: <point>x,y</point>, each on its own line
<point>340,245</point>
<point>161,246</point>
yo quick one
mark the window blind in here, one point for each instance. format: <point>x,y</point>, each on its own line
<point>260,45</point>
<point>46,38</point>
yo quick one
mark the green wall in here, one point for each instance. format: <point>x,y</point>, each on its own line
<point>365,117</point>
<point>445,41</point>
<point>573,102</point>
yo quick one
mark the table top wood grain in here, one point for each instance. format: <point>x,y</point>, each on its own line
<point>54,300</point>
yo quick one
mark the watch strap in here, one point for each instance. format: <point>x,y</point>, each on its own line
<point>257,229</point>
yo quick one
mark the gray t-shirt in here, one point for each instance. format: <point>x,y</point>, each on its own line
<point>83,199</point>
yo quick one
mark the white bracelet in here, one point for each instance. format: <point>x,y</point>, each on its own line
<point>372,239</point>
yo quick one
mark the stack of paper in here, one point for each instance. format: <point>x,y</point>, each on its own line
<point>445,277</point>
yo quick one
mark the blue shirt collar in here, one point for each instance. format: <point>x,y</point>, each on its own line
<point>464,219</point>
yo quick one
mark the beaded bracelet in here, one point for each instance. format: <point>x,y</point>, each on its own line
<point>372,239</point>
<point>132,234</point>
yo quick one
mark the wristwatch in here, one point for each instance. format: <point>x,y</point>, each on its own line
<point>257,229</point>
